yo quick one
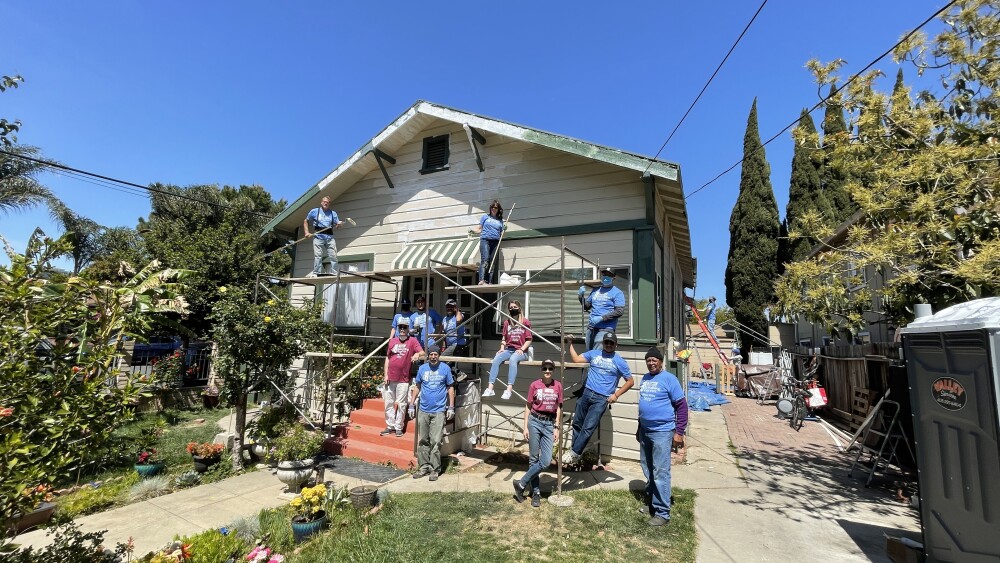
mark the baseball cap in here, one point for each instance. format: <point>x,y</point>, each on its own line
<point>548,363</point>
<point>404,301</point>
<point>608,271</point>
<point>403,322</point>
<point>610,336</point>
<point>450,302</point>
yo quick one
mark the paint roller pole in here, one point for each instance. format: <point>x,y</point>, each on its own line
<point>497,251</point>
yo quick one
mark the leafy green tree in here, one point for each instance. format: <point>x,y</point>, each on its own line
<point>61,393</point>
<point>753,237</point>
<point>805,192</point>
<point>118,251</point>
<point>219,241</point>
<point>8,128</point>
<point>19,189</point>
<point>929,219</point>
<point>257,343</point>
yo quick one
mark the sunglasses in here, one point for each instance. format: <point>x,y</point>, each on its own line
<point>547,370</point>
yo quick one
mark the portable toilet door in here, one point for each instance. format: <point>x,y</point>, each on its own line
<point>952,369</point>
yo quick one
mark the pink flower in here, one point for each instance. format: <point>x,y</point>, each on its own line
<point>6,411</point>
<point>276,559</point>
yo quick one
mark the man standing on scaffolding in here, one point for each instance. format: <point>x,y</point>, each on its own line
<point>424,322</point>
<point>606,369</point>
<point>454,341</point>
<point>400,354</point>
<point>322,219</point>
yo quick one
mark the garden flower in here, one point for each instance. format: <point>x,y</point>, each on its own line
<point>270,302</point>
<point>267,319</point>
<point>6,411</point>
<point>222,289</point>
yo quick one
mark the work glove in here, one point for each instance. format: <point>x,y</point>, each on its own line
<point>411,411</point>
<point>449,414</point>
<point>583,289</point>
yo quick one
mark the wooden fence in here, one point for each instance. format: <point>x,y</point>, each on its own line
<point>855,378</point>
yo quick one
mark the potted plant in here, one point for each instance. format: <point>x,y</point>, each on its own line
<point>210,396</point>
<point>293,451</point>
<point>267,425</point>
<point>309,515</point>
<point>205,454</point>
<point>40,515</point>
<point>148,463</point>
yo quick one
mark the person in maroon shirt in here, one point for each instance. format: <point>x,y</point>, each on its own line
<point>513,347</point>
<point>541,429</point>
<point>403,350</point>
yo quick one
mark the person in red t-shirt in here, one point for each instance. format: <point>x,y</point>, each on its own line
<point>403,350</point>
<point>541,429</point>
<point>513,347</point>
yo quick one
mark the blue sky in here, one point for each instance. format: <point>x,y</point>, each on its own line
<point>278,94</point>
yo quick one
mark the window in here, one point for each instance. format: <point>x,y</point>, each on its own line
<point>352,301</point>
<point>436,152</point>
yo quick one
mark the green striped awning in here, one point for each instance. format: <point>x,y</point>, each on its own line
<point>457,252</point>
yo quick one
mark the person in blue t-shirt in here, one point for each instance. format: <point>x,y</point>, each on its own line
<point>710,318</point>
<point>422,320</point>
<point>663,417</point>
<point>323,221</point>
<point>455,343</point>
<point>489,229</point>
<point>605,305</point>
<point>404,313</point>
<point>606,369</point>
<point>434,386</point>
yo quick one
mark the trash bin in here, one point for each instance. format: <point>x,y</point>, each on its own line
<point>952,365</point>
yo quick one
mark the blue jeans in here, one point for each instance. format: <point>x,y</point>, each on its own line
<point>711,330</point>
<point>654,457</point>
<point>595,337</point>
<point>589,410</point>
<point>487,250</point>
<point>500,358</point>
<point>539,451</point>
<point>321,249</point>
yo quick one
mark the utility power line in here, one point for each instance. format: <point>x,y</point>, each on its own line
<point>113,183</point>
<point>830,95</point>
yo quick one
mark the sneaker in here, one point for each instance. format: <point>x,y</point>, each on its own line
<point>388,430</point>
<point>658,521</point>
<point>312,275</point>
<point>506,395</point>
<point>434,476</point>
<point>422,473</point>
<point>536,499</point>
<point>518,491</point>
<point>488,393</point>
<point>461,376</point>
<point>399,433</point>
<point>569,458</point>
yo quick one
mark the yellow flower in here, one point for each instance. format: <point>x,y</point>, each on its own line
<point>267,319</point>
<point>222,289</point>
<point>270,302</point>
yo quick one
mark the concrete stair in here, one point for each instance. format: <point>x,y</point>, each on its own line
<point>360,438</point>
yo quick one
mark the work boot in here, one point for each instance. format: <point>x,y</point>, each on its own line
<point>518,491</point>
<point>536,499</point>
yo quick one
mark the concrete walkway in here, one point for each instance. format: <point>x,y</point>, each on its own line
<point>774,503</point>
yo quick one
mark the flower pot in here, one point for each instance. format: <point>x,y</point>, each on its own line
<point>201,464</point>
<point>259,451</point>
<point>302,530</point>
<point>146,470</point>
<point>35,518</point>
<point>294,473</point>
<point>363,497</point>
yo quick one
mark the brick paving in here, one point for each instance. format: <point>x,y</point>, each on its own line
<point>756,429</point>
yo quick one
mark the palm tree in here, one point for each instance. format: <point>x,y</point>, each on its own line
<point>81,231</point>
<point>19,189</point>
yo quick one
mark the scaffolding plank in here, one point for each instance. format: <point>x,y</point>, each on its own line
<point>571,285</point>
<point>458,359</point>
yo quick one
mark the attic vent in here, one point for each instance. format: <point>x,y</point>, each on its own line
<point>435,154</point>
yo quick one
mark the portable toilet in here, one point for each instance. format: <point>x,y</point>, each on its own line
<point>953,371</point>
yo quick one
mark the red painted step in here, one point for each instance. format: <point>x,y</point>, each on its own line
<point>360,438</point>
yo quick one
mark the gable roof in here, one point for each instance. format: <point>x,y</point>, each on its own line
<point>415,119</point>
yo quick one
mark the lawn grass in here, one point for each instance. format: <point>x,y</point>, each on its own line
<point>491,527</point>
<point>116,480</point>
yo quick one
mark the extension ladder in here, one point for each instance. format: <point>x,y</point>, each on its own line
<point>704,329</point>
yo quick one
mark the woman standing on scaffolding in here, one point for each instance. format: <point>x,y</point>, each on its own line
<point>489,229</point>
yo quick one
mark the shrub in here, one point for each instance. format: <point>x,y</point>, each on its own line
<point>247,528</point>
<point>296,443</point>
<point>187,479</point>
<point>205,449</point>
<point>94,499</point>
<point>70,545</point>
<point>149,488</point>
<point>213,546</point>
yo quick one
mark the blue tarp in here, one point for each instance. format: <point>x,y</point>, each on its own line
<point>702,395</point>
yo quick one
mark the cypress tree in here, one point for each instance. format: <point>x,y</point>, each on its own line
<point>833,178</point>
<point>805,192</point>
<point>753,238</point>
